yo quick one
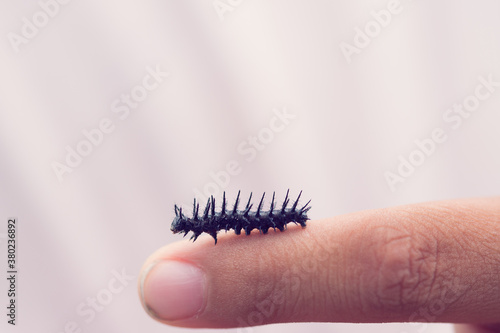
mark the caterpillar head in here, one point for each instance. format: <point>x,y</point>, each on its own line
<point>179,222</point>
<point>178,225</point>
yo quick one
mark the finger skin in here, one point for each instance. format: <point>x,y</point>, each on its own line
<point>492,328</point>
<point>429,262</point>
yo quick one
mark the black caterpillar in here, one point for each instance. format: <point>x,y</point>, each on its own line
<point>211,222</point>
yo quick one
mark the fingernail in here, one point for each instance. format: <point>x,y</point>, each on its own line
<point>173,290</point>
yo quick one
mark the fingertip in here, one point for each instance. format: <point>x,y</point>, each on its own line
<point>173,290</point>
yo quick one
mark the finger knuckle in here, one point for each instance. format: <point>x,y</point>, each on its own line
<point>404,269</point>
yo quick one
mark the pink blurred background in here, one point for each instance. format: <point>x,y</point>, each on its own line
<point>229,73</point>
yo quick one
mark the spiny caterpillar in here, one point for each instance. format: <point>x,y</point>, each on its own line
<point>211,221</point>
